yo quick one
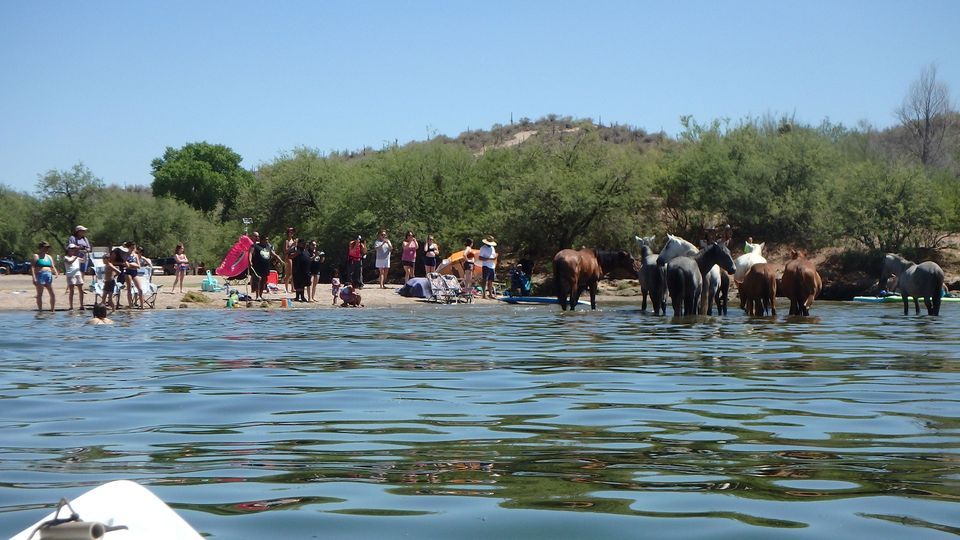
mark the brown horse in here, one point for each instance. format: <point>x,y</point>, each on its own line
<point>758,291</point>
<point>800,283</point>
<point>574,271</point>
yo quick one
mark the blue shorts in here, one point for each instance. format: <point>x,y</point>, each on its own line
<point>44,278</point>
<point>489,274</point>
<point>430,261</point>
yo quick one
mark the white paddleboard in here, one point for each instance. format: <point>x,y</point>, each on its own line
<point>124,503</point>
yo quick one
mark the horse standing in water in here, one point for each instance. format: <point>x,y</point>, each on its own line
<point>652,279</point>
<point>748,259</point>
<point>917,280</point>
<point>713,287</point>
<point>800,283</point>
<point>574,271</point>
<point>758,292</point>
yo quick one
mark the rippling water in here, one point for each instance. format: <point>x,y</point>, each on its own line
<point>492,421</point>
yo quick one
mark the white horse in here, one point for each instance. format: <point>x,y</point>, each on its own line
<point>745,261</point>
<point>678,247</point>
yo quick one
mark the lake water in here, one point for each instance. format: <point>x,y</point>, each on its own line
<point>493,421</point>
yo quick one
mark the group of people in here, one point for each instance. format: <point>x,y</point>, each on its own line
<point>409,248</point>
<point>121,265</point>
<point>302,262</point>
<point>75,261</point>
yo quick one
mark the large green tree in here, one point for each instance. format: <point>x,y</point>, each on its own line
<point>205,176</point>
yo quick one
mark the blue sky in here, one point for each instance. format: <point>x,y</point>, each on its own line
<point>113,83</point>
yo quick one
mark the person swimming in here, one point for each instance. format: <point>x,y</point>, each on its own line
<point>100,315</point>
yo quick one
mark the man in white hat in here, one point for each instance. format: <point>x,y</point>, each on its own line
<point>488,262</point>
<point>79,238</point>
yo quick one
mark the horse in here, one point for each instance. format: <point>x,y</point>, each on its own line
<point>712,282</point>
<point>652,279</point>
<point>576,270</point>
<point>758,292</point>
<point>917,280</point>
<point>685,284</point>
<point>748,259</point>
<point>800,283</point>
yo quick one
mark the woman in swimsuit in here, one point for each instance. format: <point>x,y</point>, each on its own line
<point>130,271</point>
<point>182,265</point>
<point>43,272</point>
<point>469,261</point>
<point>431,251</point>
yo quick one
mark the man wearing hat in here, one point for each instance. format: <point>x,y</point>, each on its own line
<point>80,239</point>
<point>488,262</point>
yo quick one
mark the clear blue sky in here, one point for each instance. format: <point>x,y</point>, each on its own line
<point>112,83</point>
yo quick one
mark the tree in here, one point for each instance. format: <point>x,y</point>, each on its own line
<point>205,176</point>
<point>927,115</point>
<point>16,222</point>
<point>66,198</point>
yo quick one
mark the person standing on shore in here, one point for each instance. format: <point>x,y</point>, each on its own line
<point>383,247</point>
<point>182,264</point>
<point>113,263</point>
<point>43,272</point>
<point>409,255</point>
<point>301,270</point>
<point>488,261</point>
<point>83,246</point>
<point>356,251</point>
<point>469,261</point>
<point>316,263</point>
<point>289,247</point>
<point>71,269</point>
<point>261,255</point>
<point>431,251</point>
<point>131,271</point>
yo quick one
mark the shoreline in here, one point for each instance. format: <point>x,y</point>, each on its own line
<point>17,293</point>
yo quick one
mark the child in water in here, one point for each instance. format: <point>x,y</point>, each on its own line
<point>335,285</point>
<point>100,315</point>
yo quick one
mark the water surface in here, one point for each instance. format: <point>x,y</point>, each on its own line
<point>492,421</point>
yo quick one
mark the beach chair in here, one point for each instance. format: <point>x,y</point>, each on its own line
<point>455,290</point>
<point>439,291</point>
<point>150,289</point>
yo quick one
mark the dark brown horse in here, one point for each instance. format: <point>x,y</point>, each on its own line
<point>758,291</point>
<point>574,271</point>
<point>800,283</point>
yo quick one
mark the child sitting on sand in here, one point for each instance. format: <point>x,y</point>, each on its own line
<point>100,315</point>
<point>350,296</point>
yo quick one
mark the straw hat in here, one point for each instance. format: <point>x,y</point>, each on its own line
<point>79,228</point>
<point>490,240</point>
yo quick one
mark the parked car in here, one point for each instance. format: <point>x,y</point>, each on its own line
<point>9,265</point>
<point>168,264</point>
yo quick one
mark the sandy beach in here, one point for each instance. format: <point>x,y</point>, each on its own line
<point>18,293</point>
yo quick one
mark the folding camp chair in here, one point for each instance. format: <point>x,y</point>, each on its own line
<point>150,289</point>
<point>439,291</point>
<point>455,290</point>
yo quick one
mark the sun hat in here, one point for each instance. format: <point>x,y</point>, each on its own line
<point>44,244</point>
<point>490,240</point>
<point>72,246</point>
<point>79,228</point>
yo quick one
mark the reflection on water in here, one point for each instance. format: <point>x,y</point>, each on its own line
<point>485,421</point>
